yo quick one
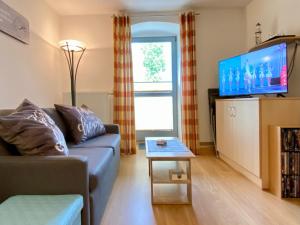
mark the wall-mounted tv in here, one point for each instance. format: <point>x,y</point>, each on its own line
<point>258,72</point>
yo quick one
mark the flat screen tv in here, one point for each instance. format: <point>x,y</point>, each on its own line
<point>259,72</point>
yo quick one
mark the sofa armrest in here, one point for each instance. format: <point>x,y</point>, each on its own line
<point>112,128</point>
<point>49,175</point>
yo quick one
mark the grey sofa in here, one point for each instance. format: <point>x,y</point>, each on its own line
<point>89,170</point>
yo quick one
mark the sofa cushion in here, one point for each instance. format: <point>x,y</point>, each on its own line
<point>7,149</point>
<point>57,119</point>
<point>5,112</point>
<point>83,124</point>
<point>50,111</point>
<point>98,161</point>
<point>105,141</point>
<point>32,131</point>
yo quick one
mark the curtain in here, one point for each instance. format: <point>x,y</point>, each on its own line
<point>123,84</point>
<point>189,106</point>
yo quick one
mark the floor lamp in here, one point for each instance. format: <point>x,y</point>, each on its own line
<point>71,48</point>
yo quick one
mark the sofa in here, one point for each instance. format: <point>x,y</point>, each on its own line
<point>90,170</point>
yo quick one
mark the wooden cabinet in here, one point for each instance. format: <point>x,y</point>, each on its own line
<point>242,132</point>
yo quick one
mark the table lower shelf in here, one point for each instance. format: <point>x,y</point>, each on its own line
<point>173,179</point>
<point>170,201</point>
<point>170,194</point>
<point>168,181</point>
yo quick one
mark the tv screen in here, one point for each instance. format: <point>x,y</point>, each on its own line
<point>259,72</point>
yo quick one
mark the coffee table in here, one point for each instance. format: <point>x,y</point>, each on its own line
<point>174,151</point>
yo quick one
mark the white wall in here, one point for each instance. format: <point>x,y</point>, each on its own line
<point>220,34</point>
<point>276,16</point>
<point>146,17</point>
<point>31,71</point>
<point>95,72</point>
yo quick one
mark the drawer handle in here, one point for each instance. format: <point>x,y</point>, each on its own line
<point>233,111</point>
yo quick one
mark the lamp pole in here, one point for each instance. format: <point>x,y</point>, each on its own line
<point>73,81</point>
<point>70,50</point>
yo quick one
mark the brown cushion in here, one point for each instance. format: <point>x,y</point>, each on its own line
<point>57,119</point>
<point>32,131</point>
<point>83,124</point>
<point>7,149</point>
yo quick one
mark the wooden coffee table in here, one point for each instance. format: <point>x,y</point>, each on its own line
<point>175,151</point>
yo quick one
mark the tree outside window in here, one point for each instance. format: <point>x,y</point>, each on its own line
<point>154,62</point>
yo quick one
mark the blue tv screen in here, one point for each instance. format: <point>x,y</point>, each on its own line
<point>259,72</point>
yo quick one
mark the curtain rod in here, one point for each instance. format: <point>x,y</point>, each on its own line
<point>155,15</point>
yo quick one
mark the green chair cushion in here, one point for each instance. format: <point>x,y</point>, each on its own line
<point>41,210</point>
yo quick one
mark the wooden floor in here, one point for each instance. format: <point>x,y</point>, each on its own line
<point>221,196</point>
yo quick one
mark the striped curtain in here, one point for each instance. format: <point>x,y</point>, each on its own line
<point>189,106</point>
<point>123,84</point>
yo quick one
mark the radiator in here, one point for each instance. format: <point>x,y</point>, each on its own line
<point>99,102</point>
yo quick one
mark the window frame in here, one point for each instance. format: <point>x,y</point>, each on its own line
<point>141,134</point>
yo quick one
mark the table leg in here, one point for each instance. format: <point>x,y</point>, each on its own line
<point>149,166</point>
<point>151,177</point>
<point>189,185</point>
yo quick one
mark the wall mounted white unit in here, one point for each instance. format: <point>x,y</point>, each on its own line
<point>13,23</point>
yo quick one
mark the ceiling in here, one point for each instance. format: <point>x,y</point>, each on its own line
<point>83,7</point>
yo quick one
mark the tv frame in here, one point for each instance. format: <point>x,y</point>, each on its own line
<point>255,94</point>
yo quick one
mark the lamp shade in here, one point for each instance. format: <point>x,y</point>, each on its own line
<point>72,45</point>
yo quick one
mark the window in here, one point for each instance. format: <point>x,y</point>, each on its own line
<point>155,86</point>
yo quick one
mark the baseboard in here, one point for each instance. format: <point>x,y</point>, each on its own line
<point>241,170</point>
<point>207,146</point>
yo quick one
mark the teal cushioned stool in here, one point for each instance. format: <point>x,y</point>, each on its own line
<point>41,210</point>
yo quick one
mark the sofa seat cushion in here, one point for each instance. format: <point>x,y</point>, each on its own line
<point>98,161</point>
<point>105,141</point>
<point>41,209</point>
